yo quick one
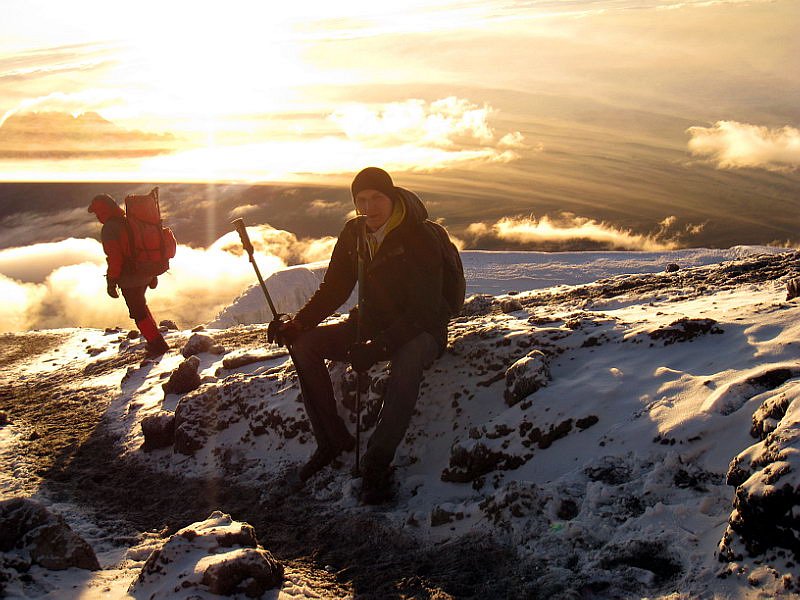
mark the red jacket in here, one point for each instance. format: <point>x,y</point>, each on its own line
<point>117,246</point>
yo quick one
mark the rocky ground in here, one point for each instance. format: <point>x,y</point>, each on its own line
<point>604,439</point>
<point>70,456</point>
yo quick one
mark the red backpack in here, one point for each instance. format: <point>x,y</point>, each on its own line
<point>152,244</point>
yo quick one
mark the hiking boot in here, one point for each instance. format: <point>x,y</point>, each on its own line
<point>322,457</point>
<point>325,455</point>
<point>156,348</point>
<point>346,444</point>
<point>376,486</point>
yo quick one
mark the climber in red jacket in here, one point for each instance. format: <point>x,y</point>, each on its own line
<point>122,271</point>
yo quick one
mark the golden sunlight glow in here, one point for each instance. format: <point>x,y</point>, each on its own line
<point>254,91</point>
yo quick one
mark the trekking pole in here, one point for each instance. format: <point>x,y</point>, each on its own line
<point>359,375</point>
<point>248,247</point>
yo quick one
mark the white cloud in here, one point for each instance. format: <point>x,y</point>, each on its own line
<point>514,140</point>
<point>440,123</point>
<point>292,160</point>
<point>244,210</point>
<point>63,284</point>
<point>316,250</point>
<point>74,103</point>
<point>20,227</point>
<point>33,264</point>
<point>17,298</point>
<point>324,207</point>
<point>731,145</point>
<point>568,227</point>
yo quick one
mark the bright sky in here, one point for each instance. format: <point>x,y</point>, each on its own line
<point>299,91</point>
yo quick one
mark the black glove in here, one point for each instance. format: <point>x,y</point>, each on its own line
<point>153,283</point>
<point>111,288</point>
<point>362,356</point>
<point>283,330</point>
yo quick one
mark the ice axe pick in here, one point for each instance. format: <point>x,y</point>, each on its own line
<point>248,247</point>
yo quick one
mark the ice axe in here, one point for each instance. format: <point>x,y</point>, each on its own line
<point>248,247</point>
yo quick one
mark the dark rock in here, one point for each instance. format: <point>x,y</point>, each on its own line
<point>586,422</point>
<point>545,439</point>
<point>199,328</point>
<point>440,516</point>
<point>767,494</point>
<point>792,288</point>
<point>197,416</point>
<point>45,536</point>
<point>609,471</point>
<point>185,378</point>
<point>685,329</point>
<point>4,420</point>
<point>479,304</point>
<point>248,358</point>
<point>251,571</point>
<point>738,393</point>
<point>219,555</point>
<point>691,478</point>
<point>653,556</point>
<point>244,536</point>
<point>517,500</point>
<point>510,305</point>
<point>671,268</point>
<point>133,334</point>
<point>767,416</point>
<point>197,344</point>
<point>158,430</point>
<point>591,342</point>
<point>567,509</point>
<point>526,376</point>
<point>501,430</point>
<point>170,325</point>
<point>208,410</point>
<point>475,459</point>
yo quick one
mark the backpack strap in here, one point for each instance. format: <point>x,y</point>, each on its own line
<point>131,257</point>
<point>162,249</point>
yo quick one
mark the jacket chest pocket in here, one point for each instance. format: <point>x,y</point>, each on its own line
<point>391,283</point>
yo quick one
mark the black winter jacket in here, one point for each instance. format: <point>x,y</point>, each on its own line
<point>402,294</point>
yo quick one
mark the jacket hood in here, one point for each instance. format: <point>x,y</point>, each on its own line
<point>104,207</point>
<point>415,209</point>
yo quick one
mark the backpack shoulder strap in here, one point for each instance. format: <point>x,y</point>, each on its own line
<point>126,226</point>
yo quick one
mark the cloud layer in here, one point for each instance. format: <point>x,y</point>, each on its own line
<point>58,135</point>
<point>568,231</point>
<point>62,284</point>
<point>731,145</point>
<point>411,135</point>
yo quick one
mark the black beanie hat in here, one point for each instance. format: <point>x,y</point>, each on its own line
<point>373,178</point>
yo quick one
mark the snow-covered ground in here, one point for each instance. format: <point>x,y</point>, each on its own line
<point>586,413</point>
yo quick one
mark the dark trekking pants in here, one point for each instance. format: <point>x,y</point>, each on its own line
<point>137,305</point>
<point>402,388</point>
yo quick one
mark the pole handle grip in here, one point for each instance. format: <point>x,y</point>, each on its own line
<point>241,229</point>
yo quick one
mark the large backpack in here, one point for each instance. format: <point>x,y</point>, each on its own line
<point>152,244</point>
<point>454,285</point>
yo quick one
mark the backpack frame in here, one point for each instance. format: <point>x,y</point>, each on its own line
<point>151,244</point>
